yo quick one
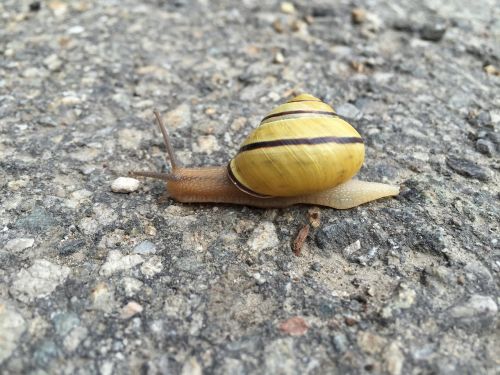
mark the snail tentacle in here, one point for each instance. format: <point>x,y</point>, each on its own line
<point>174,163</point>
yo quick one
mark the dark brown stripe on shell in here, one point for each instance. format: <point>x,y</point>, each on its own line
<point>303,100</point>
<point>242,187</point>
<point>299,112</point>
<point>301,141</point>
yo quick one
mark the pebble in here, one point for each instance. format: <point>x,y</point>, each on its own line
<point>74,338</point>
<point>85,154</point>
<point>145,247</point>
<point>19,244</point>
<point>71,246</point>
<point>370,342</point>
<point>477,312</point>
<point>481,119</point>
<point>58,7</point>
<point>467,168</point>
<point>178,118</point>
<point>206,144</point>
<point>403,299</point>
<point>340,342</point>
<point>263,237</point>
<point>152,267</point>
<point>130,309</point>
<point>176,305</point>
<point>150,230</point>
<point>102,298</point>
<point>52,62</point>
<point>16,185</point>
<point>278,26</point>
<point>349,111</point>
<point>319,11</point>
<point>131,286</point>
<point>279,58</point>
<point>45,352</point>
<point>492,70</point>
<point>12,326</point>
<point>485,147</point>
<point>65,322</point>
<point>116,262</point>
<point>191,367</point>
<point>125,185</point>
<point>295,326</point>
<point>75,30</point>
<point>281,357</point>
<point>35,6</point>
<point>39,280</point>
<point>358,15</point>
<point>393,358</point>
<point>130,139</point>
<point>337,236</point>
<point>33,72</point>
<point>259,278</point>
<point>351,249</point>
<point>287,7</point>
<point>433,32</point>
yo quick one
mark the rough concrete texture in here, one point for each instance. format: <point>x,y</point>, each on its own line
<point>98,282</point>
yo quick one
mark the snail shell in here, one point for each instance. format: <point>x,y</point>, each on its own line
<point>301,147</point>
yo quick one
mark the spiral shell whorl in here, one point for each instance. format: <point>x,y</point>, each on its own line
<point>300,147</point>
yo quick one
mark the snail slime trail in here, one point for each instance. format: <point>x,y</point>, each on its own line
<point>301,153</point>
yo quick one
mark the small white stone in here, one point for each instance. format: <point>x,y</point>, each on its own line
<point>287,7</point>
<point>125,185</point>
<point>70,100</point>
<point>259,278</point>
<point>19,244</point>
<point>76,29</point>
<point>279,58</point>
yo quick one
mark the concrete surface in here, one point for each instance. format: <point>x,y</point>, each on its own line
<point>97,282</point>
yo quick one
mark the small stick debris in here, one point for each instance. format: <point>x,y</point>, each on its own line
<point>300,239</point>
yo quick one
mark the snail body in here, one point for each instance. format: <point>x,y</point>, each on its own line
<point>302,153</point>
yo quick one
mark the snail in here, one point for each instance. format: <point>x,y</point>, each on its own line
<point>301,153</point>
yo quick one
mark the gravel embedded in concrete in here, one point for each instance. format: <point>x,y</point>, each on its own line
<point>95,282</point>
